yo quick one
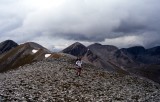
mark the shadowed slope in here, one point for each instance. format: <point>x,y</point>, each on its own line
<point>7,45</point>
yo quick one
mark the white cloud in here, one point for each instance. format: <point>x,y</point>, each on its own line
<point>126,41</point>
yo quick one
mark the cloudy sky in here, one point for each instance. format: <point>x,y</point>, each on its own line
<point>56,24</point>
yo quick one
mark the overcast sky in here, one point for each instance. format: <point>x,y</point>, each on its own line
<point>56,24</point>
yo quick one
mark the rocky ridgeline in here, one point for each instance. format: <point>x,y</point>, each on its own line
<point>55,81</point>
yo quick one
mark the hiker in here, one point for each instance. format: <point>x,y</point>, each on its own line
<point>79,66</point>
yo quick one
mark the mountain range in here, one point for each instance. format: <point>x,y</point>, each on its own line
<point>32,73</point>
<point>134,60</point>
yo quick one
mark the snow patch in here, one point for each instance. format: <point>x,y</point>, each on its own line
<point>47,55</point>
<point>34,51</point>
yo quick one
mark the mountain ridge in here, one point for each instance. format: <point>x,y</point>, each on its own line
<point>76,49</point>
<point>21,55</point>
<point>56,80</point>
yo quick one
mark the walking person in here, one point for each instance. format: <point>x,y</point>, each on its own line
<point>79,66</point>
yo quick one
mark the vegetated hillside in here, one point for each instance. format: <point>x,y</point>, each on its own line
<point>22,55</point>
<point>54,80</point>
<point>7,45</point>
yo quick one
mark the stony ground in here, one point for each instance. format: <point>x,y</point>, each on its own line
<point>55,81</point>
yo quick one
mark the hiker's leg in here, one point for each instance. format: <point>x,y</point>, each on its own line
<point>77,71</point>
<point>80,71</point>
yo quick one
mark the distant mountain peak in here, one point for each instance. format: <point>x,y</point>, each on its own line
<point>137,47</point>
<point>8,41</point>
<point>36,46</point>
<point>97,44</point>
<point>136,50</point>
<point>7,45</point>
<point>101,45</point>
<point>77,43</point>
<point>76,49</point>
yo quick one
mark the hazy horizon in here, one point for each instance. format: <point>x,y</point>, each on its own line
<point>56,24</point>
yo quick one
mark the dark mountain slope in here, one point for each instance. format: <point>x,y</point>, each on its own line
<point>138,55</point>
<point>154,51</point>
<point>140,61</point>
<point>97,61</point>
<point>103,51</point>
<point>136,50</point>
<point>153,55</point>
<point>7,45</point>
<point>124,58</point>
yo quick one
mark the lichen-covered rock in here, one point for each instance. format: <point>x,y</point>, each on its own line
<point>56,81</point>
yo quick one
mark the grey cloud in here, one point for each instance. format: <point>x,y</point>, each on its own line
<point>151,39</point>
<point>83,37</point>
<point>82,20</point>
<point>130,27</point>
<point>6,27</point>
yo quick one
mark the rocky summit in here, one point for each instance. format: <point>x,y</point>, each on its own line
<point>55,80</point>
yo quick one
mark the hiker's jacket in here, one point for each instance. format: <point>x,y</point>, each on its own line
<point>79,63</point>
